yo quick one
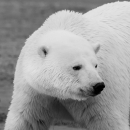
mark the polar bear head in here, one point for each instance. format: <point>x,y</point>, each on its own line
<point>62,64</point>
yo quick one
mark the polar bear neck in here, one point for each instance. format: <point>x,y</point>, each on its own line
<point>66,20</point>
<point>63,20</point>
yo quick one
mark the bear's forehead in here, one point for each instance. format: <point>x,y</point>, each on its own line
<point>61,38</point>
<point>68,55</point>
<point>64,44</point>
<point>72,51</point>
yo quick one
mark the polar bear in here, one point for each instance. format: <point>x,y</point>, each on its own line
<point>75,67</point>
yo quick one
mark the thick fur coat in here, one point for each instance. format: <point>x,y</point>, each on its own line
<point>33,107</point>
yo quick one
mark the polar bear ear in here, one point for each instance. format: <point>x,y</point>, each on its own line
<point>96,47</point>
<point>43,51</point>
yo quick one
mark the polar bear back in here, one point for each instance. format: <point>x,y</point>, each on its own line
<point>116,16</point>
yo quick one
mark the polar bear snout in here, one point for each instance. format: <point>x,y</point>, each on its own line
<point>93,91</point>
<point>98,88</point>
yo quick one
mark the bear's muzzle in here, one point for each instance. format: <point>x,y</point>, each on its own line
<point>93,91</point>
<point>98,88</point>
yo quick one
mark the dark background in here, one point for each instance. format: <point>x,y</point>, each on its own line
<point>18,19</point>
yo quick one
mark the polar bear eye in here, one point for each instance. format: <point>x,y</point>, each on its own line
<point>96,66</point>
<point>77,67</point>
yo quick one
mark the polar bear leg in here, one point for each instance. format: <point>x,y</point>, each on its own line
<point>18,122</point>
<point>92,117</point>
<point>108,124</point>
<point>36,115</point>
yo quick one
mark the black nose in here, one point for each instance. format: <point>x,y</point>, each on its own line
<point>98,88</point>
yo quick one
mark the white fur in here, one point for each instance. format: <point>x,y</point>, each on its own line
<point>108,25</point>
<point>33,108</point>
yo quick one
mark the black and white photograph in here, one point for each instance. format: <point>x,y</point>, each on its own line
<point>64,65</point>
